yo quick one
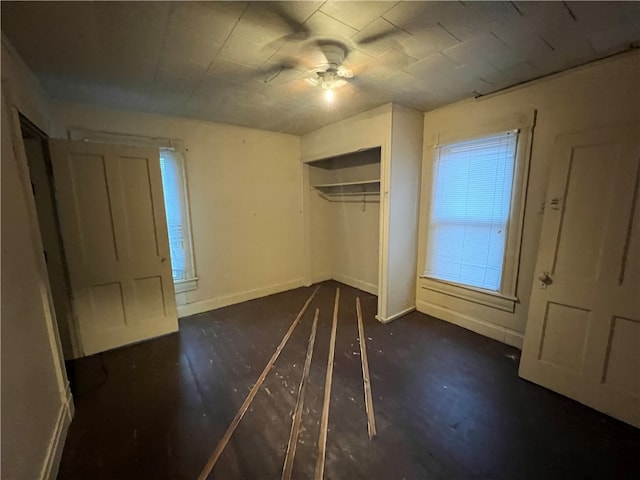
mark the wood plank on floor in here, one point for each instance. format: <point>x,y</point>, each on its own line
<point>448,403</point>
<point>366,379</point>
<point>297,415</point>
<point>324,419</point>
<point>252,393</point>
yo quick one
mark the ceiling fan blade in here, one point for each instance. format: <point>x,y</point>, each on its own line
<point>392,32</point>
<point>299,31</point>
<point>291,37</point>
<point>270,73</point>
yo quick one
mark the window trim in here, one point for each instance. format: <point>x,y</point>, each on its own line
<point>506,298</point>
<point>191,282</point>
<point>488,298</point>
<point>182,286</point>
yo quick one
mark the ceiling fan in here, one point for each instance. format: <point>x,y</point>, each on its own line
<point>332,74</point>
<point>327,70</point>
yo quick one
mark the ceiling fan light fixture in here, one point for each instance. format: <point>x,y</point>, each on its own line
<point>327,80</point>
<point>332,74</point>
<point>328,95</point>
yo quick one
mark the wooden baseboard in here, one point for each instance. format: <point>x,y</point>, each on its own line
<point>225,301</point>
<point>496,332</point>
<point>355,283</point>
<point>54,454</point>
<point>214,303</point>
<point>396,315</point>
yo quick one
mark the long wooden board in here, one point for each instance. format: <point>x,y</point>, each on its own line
<point>252,393</point>
<point>324,420</point>
<point>287,469</point>
<point>368,397</point>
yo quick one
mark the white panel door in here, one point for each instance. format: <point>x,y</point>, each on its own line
<point>115,238</point>
<point>583,331</point>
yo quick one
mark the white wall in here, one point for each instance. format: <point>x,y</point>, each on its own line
<point>403,204</point>
<point>245,189</point>
<point>367,129</point>
<point>355,237</point>
<point>350,226</point>
<point>36,408</point>
<point>602,93</point>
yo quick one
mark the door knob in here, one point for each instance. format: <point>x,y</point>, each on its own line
<point>545,278</point>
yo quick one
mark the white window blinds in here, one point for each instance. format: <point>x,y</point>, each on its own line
<point>471,200</point>
<point>172,167</point>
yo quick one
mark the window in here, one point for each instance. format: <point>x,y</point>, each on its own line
<point>175,201</point>
<point>472,212</point>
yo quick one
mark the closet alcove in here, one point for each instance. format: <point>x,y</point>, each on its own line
<point>361,188</point>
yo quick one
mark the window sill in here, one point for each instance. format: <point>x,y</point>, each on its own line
<point>475,295</point>
<point>181,286</point>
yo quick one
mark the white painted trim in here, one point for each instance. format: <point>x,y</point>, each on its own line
<point>355,283</point>
<point>487,298</point>
<point>524,123</point>
<point>224,301</point>
<point>20,155</point>
<point>516,121</point>
<point>383,222</point>
<point>51,462</point>
<point>496,332</point>
<point>306,224</point>
<point>395,316</point>
<point>86,135</point>
<point>191,265</point>
<point>181,286</point>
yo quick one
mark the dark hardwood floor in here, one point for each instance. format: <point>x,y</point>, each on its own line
<point>448,403</point>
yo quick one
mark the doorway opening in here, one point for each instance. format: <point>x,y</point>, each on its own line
<point>42,187</point>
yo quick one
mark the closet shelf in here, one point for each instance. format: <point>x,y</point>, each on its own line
<point>364,156</point>
<point>368,187</point>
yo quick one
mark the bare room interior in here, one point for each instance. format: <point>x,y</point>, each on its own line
<point>320,239</point>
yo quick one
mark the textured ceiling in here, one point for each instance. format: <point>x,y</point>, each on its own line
<point>219,61</point>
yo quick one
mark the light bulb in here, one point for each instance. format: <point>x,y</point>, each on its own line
<point>328,95</point>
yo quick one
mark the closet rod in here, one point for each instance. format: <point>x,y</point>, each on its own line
<point>364,200</point>
<point>349,194</point>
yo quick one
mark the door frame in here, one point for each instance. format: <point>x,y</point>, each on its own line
<point>36,242</point>
<point>28,127</point>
